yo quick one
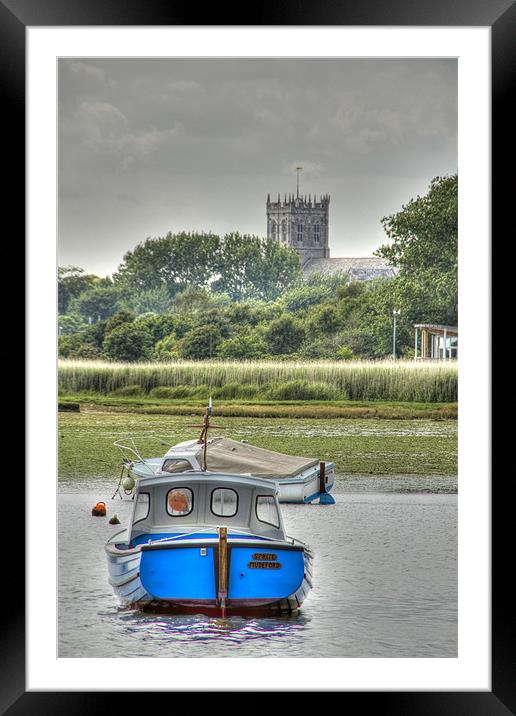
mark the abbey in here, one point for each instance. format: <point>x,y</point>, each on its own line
<point>302,223</point>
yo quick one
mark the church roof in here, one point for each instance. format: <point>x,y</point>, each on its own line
<point>358,268</point>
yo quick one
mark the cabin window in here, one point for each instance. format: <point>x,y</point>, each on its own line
<point>224,502</point>
<point>267,510</point>
<point>179,501</point>
<point>175,465</point>
<point>142,506</point>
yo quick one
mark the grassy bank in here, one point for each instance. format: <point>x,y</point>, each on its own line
<point>377,447</point>
<point>148,405</point>
<point>400,381</point>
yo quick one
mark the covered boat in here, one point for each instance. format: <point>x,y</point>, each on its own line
<point>299,479</point>
<point>211,543</point>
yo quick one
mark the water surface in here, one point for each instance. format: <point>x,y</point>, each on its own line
<point>385,580</point>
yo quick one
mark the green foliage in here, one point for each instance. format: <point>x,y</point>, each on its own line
<point>166,348</point>
<point>158,326</point>
<point>154,300</point>
<point>200,342</point>
<point>197,300</point>
<point>245,346</point>
<point>71,323</point>
<point>97,303</point>
<point>118,319</point>
<point>128,342</point>
<point>345,353</point>
<point>323,319</point>
<point>250,267</point>
<point>71,282</point>
<point>302,297</point>
<point>174,262</point>
<point>284,335</point>
<point>425,248</point>
<point>242,298</point>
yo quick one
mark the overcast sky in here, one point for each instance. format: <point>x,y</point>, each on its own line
<point>150,146</point>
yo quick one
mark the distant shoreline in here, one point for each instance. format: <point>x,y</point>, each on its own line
<point>89,402</point>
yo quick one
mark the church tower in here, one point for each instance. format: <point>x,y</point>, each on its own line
<point>301,223</point>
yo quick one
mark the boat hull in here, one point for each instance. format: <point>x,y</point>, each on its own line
<point>183,578</point>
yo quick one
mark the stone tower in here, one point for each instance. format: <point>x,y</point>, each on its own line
<point>301,223</point>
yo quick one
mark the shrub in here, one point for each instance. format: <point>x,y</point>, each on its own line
<point>284,335</point>
<point>201,342</point>
<point>128,343</point>
<point>345,353</point>
<point>243,346</point>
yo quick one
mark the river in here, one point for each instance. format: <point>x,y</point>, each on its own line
<point>385,581</point>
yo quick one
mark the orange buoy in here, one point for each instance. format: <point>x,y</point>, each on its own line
<point>99,510</point>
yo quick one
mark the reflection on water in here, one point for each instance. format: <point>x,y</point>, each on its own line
<point>234,630</point>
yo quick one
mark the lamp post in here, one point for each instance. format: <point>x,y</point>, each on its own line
<point>395,312</point>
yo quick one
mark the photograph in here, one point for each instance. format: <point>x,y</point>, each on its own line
<point>258,357</point>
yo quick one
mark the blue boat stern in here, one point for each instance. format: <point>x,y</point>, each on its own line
<point>259,577</point>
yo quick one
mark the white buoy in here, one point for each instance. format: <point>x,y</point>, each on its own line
<point>128,483</point>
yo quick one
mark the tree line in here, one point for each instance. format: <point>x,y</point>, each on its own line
<point>201,296</point>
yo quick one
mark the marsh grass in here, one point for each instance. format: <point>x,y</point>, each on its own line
<point>275,380</point>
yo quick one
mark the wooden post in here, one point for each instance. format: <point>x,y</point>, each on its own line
<point>223,569</point>
<point>206,426</point>
<point>415,345</point>
<point>322,477</point>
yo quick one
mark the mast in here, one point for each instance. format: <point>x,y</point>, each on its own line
<point>203,437</point>
<point>298,169</point>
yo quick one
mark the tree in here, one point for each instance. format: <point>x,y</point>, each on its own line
<point>128,342</point>
<point>71,282</point>
<point>166,348</point>
<point>302,297</point>
<point>86,343</point>
<point>200,342</point>
<point>97,303</point>
<point>254,268</point>
<point>118,319</point>
<point>284,335</point>
<point>324,318</point>
<point>243,346</point>
<point>174,261</point>
<point>71,323</point>
<point>196,300</point>
<point>158,326</point>
<point>425,249</point>
<point>155,300</point>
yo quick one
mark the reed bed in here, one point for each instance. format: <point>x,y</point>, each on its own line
<point>355,380</point>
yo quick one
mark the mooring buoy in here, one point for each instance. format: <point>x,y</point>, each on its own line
<point>99,510</point>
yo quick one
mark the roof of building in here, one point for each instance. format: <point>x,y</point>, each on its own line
<point>437,327</point>
<point>358,268</point>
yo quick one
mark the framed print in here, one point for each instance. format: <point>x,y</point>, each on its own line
<point>94,84</point>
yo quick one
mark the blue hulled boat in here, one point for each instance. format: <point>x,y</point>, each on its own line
<point>208,543</point>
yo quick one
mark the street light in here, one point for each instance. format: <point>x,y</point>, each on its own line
<point>395,312</point>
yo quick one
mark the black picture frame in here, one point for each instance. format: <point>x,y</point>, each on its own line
<point>500,16</point>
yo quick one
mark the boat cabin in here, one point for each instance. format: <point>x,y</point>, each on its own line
<point>196,502</point>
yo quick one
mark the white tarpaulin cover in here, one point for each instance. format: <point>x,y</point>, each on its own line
<point>226,455</point>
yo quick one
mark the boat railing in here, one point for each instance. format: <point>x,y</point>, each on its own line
<point>203,530</point>
<point>131,452</point>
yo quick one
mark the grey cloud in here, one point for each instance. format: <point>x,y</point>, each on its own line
<point>200,142</point>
